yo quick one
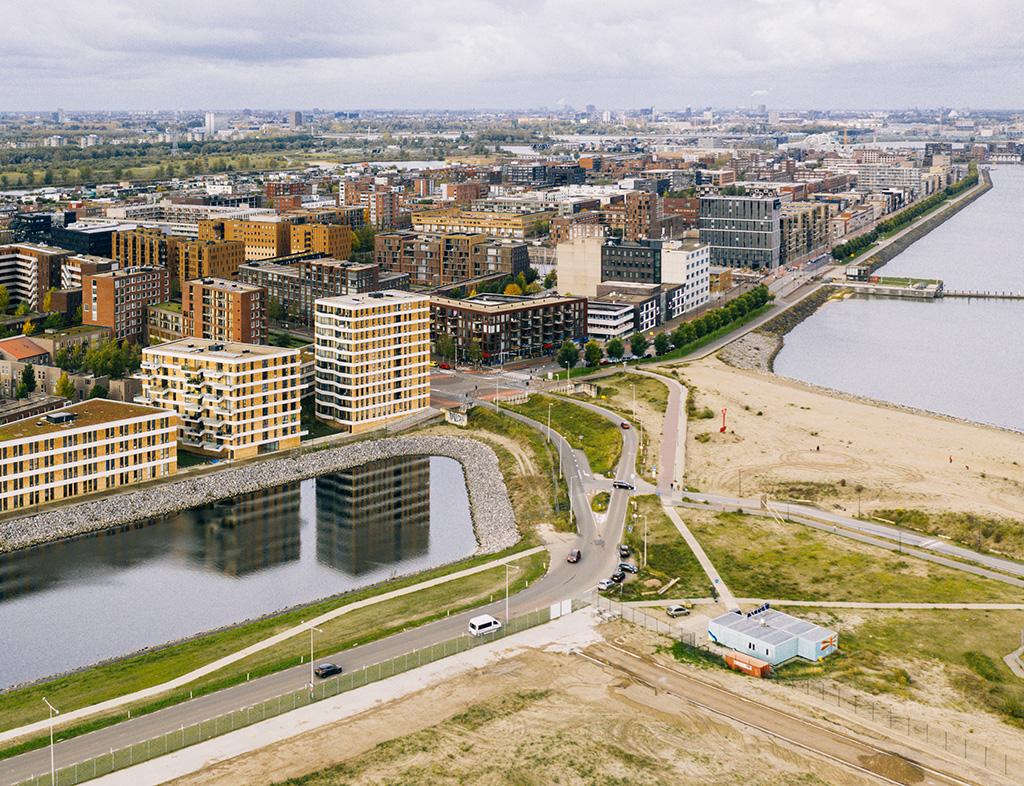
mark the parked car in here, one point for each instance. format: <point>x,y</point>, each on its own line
<point>625,425</point>
<point>574,555</point>
<point>444,366</point>
<point>327,670</point>
<point>604,362</point>
<point>618,576</point>
<point>605,584</point>
<point>628,567</point>
<point>677,611</point>
<point>624,551</point>
<point>484,624</point>
<point>623,484</point>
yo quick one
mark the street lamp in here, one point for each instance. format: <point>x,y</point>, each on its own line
<point>644,517</point>
<point>550,405</point>
<point>507,566</point>
<point>311,629</point>
<point>53,711</point>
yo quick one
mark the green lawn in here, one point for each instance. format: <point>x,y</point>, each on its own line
<point>668,556</point>
<point>598,438</point>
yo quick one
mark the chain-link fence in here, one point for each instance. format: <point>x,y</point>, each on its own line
<point>120,758</point>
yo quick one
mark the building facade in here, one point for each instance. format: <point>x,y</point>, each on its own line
<point>742,231</point>
<point>433,259</point>
<point>133,247</point>
<point>84,448</point>
<point>506,327</point>
<point>201,258</point>
<point>372,358</point>
<point>29,270</point>
<point>232,400</point>
<point>118,299</point>
<point>223,310</point>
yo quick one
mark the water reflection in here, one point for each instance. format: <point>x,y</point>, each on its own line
<point>375,514</point>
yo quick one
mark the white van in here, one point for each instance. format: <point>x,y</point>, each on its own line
<point>484,624</point>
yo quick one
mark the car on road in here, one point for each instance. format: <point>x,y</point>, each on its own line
<point>624,551</point>
<point>618,576</point>
<point>445,366</point>
<point>677,611</point>
<point>605,584</point>
<point>574,555</point>
<point>628,567</point>
<point>625,425</point>
<point>623,484</point>
<point>484,624</point>
<point>327,670</point>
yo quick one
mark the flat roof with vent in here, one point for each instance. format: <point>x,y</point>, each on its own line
<point>85,414</point>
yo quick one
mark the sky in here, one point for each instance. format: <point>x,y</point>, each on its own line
<point>511,54</point>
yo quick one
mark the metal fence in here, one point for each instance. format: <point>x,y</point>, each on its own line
<point>139,752</point>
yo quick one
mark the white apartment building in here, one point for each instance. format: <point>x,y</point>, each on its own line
<point>688,262</point>
<point>233,400</point>
<point>372,358</point>
<point>609,319</point>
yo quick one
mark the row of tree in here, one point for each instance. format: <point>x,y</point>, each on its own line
<point>904,217</point>
<point>686,333</point>
<point>106,358</point>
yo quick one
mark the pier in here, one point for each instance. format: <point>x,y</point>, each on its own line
<point>988,295</point>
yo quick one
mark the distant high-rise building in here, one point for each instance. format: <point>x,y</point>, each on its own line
<point>211,123</point>
<point>295,120</point>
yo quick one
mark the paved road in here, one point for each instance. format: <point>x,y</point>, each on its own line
<point>562,581</point>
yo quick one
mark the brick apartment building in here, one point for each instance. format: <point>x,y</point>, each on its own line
<point>118,299</point>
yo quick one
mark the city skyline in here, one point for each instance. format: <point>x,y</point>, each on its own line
<point>830,54</point>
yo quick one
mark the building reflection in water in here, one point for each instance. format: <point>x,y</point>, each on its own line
<point>374,514</point>
<point>250,532</point>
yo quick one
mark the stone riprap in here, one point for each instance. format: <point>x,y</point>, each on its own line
<point>754,351</point>
<point>493,518</point>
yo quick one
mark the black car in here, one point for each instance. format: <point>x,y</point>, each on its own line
<point>327,670</point>
<point>622,484</point>
<point>624,552</point>
<point>618,576</point>
<point>628,567</point>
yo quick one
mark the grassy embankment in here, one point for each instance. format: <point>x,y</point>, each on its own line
<point>881,651</point>
<point>598,438</point>
<point>531,497</point>
<point>616,393</point>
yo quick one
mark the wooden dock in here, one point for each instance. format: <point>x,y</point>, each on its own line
<point>988,295</point>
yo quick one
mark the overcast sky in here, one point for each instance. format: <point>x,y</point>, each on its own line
<point>461,54</point>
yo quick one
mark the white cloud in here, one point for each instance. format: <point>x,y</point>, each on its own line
<point>465,53</point>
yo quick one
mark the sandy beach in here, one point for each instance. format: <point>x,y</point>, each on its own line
<point>784,436</point>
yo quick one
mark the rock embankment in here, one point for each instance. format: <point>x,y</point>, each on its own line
<point>493,518</point>
<point>754,351</point>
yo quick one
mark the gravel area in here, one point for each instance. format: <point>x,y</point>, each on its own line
<point>754,351</point>
<point>493,518</point>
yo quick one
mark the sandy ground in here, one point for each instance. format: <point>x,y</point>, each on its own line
<point>541,717</point>
<point>900,458</point>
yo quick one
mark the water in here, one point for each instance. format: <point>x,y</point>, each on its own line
<point>952,356</point>
<point>71,604</point>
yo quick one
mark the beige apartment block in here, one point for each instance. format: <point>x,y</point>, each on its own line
<point>372,358</point>
<point>233,400</point>
<point>85,448</point>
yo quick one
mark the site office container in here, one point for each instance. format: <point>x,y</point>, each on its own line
<point>755,667</point>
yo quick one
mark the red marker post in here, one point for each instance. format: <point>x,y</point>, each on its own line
<point>722,429</point>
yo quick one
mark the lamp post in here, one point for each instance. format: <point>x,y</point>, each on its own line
<point>550,405</point>
<point>507,566</point>
<point>53,711</point>
<point>311,629</point>
<point>644,517</point>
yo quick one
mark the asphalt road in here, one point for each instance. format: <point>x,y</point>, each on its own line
<point>562,581</point>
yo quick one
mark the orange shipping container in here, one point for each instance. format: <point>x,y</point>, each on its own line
<point>755,667</point>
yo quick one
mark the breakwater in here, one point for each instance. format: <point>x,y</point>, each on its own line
<point>493,517</point>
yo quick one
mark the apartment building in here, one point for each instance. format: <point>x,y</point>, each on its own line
<point>223,310</point>
<point>440,259</point>
<point>200,258</point>
<point>134,247</point>
<point>29,270</point>
<point>84,448</point>
<point>333,240</point>
<point>372,358</point>
<point>465,192</point>
<point>233,400</point>
<point>513,222</point>
<point>643,215</point>
<point>507,327</point>
<point>742,231</point>
<point>382,208</point>
<point>263,239</point>
<point>803,230</point>
<point>118,299</point>
<point>608,319</point>
<point>688,263</point>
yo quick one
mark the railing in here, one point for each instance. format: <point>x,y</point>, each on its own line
<point>117,759</point>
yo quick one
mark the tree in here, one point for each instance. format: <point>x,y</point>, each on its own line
<point>615,350</point>
<point>531,275</point>
<point>64,388</point>
<point>638,344</point>
<point>513,289</point>
<point>592,353</point>
<point>28,328</point>
<point>568,354</point>
<point>475,352</point>
<point>275,310</point>
<point>661,343</point>
<point>5,299</point>
<point>550,280</point>
<point>98,391</point>
<point>446,346</point>
<point>293,311</point>
<point>28,378</point>
<point>22,309</point>
<point>77,320</point>
<point>48,299</point>
<point>362,239</point>
<point>22,392</point>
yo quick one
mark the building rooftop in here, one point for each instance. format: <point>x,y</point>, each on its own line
<point>20,348</point>
<point>224,285</point>
<point>130,271</point>
<point>170,306</point>
<point>496,303</point>
<point>87,414</point>
<point>771,627</point>
<point>228,350</point>
<point>373,298</point>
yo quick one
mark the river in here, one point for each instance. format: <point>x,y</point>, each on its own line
<point>952,356</point>
<point>74,603</point>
